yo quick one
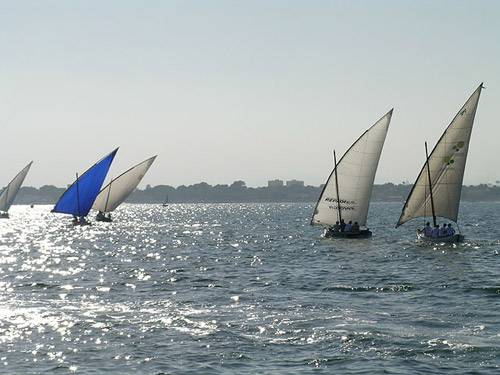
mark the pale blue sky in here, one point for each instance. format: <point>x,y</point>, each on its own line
<point>226,90</point>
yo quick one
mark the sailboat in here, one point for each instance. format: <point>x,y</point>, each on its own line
<point>78,199</point>
<point>9,193</point>
<point>114,193</point>
<point>165,202</point>
<point>437,189</point>
<point>346,195</point>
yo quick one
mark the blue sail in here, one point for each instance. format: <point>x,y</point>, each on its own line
<point>80,196</point>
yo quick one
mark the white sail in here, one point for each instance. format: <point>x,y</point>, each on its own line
<point>356,173</point>
<point>446,166</point>
<point>113,194</point>
<point>9,193</point>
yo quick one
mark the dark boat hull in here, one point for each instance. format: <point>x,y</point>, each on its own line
<point>103,218</point>
<point>81,222</point>
<point>364,233</point>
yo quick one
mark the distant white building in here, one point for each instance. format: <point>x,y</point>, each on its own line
<point>275,183</point>
<point>292,183</point>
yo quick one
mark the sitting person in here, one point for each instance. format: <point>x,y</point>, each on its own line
<point>342,225</point>
<point>355,227</point>
<point>443,231</point>
<point>336,227</point>
<point>348,227</point>
<point>427,230</point>
<point>450,230</point>
<point>435,231</point>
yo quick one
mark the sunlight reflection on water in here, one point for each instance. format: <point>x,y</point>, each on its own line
<point>239,287</point>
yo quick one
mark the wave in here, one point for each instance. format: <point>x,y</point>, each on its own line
<point>390,288</point>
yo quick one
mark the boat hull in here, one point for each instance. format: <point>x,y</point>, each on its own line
<point>364,233</point>
<point>435,240</point>
<point>80,222</point>
<point>103,218</point>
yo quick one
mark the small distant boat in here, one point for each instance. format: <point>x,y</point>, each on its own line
<point>8,194</point>
<point>346,194</point>
<point>165,202</point>
<point>78,199</point>
<point>438,187</point>
<point>115,193</point>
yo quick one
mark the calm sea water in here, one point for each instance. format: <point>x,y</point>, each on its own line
<point>245,288</point>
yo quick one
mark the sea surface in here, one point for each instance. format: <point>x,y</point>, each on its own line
<point>245,289</point>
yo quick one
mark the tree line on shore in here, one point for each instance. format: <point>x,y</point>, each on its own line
<point>239,192</point>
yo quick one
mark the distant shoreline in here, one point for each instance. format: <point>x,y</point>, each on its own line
<point>238,192</point>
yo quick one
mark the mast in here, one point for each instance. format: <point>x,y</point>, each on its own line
<point>358,173</point>
<point>77,195</point>
<point>337,186</point>
<point>449,155</point>
<point>119,188</point>
<point>107,197</point>
<point>88,184</point>
<point>430,185</point>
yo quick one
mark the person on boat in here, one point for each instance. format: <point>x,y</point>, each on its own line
<point>348,227</point>
<point>355,227</point>
<point>100,215</point>
<point>443,231</point>
<point>435,231</point>
<point>342,225</point>
<point>450,230</point>
<point>427,230</point>
<point>336,227</point>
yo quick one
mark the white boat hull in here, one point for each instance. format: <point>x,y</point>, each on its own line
<point>448,239</point>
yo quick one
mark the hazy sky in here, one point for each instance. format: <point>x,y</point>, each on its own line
<point>251,90</point>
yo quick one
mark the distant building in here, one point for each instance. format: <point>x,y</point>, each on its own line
<point>275,183</point>
<point>292,183</point>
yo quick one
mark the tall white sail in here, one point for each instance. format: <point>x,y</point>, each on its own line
<point>355,173</point>
<point>9,193</point>
<point>113,194</point>
<point>446,167</point>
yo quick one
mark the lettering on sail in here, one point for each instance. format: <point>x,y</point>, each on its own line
<point>345,204</point>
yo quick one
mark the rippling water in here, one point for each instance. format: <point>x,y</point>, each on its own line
<point>245,288</point>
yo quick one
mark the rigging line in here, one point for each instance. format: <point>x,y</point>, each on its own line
<point>77,196</point>
<point>446,172</point>
<point>107,197</point>
<point>430,186</point>
<point>425,203</point>
<point>337,186</point>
